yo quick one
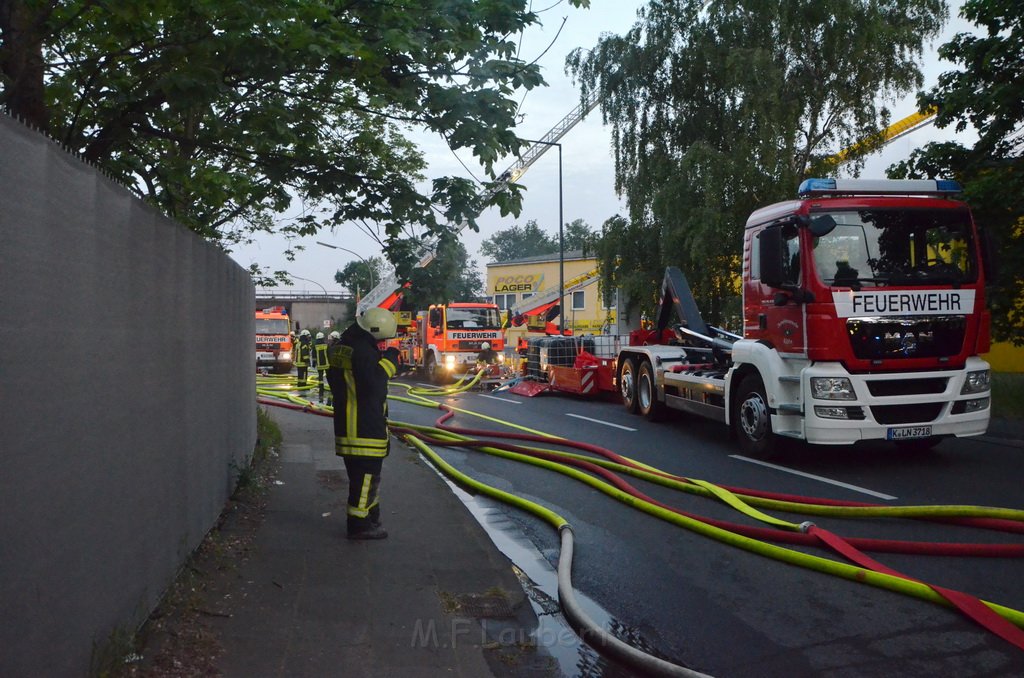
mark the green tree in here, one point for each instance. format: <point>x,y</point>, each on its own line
<point>222,112</point>
<point>452,276</point>
<point>578,236</point>
<point>985,92</point>
<point>716,112</point>
<point>359,276</point>
<point>517,242</point>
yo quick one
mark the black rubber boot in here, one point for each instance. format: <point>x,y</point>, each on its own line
<point>365,528</point>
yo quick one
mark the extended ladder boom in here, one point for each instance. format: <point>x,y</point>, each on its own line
<point>390,284</point>
<point>891,133</point>
<point>526,306</point>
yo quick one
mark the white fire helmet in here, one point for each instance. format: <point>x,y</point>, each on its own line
<point>319,335</point>
<point>335,335</point>
<point>484,346</point>
<point>378,322</point>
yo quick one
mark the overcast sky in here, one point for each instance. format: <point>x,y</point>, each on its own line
<point>588,191</point>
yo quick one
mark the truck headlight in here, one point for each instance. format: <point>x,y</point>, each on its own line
<point>832,388</point>
<point>501,357</point>
<point>449,360</point>
<point>285,355</point>
<point>976,382</point>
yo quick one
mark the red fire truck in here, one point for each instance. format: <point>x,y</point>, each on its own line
<point>443,342</point>
<point>863,318</point>
<point>273,339</point>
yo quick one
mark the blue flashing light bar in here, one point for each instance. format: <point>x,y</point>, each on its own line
<point>818,187</point>
<point>808,186</point>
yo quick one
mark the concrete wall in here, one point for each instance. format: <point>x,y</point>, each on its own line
<point>311,314</point>
<point>127,399</point>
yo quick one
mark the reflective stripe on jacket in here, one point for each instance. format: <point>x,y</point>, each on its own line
<point>321,354</point>
<point>302,353</point>
<point>358,376</point>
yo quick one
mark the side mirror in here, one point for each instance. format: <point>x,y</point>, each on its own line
<point>823,224</point>
<point>769,245</point>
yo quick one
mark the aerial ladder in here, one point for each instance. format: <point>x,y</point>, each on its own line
<point>390,288</point>
<point>891,133</point>
<point>542,301</point>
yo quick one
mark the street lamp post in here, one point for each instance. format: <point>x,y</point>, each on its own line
<point>561,246</point>
<point>310,281</point>
<point>368,267</point>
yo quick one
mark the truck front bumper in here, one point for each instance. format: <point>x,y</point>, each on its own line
<point>269,358</point>
<point>897,406</point>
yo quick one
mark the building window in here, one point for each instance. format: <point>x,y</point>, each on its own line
<point>505,301</point>
<point>579,300</point>
<point>612,301</point>
<point>527,295</point>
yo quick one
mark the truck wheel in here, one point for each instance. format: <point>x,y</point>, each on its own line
<point>647,393</point>
<point>627,384</point>
<point>752,420</point>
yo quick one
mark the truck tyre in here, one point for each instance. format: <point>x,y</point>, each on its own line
<point>627,384</point>
<point>751,420</point>
<point>647,393</point>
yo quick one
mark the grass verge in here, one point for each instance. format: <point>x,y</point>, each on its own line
<point>1008,395</point>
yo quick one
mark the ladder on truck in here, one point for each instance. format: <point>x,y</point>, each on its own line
<point>551,296</point>
<point>388,289</point>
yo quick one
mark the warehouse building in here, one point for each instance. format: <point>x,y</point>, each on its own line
<point>514,281</point>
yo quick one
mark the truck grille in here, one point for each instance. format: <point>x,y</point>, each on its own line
<point>926,337</point>
<point>917,413</point>
<point>902,387</point>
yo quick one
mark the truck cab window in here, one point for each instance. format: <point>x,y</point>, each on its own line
<point>791,254</point>
<point>874,248</point>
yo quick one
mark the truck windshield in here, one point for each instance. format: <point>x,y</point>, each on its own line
<point>910,247</point>
<point>271,326</point>
<point>473,319</point>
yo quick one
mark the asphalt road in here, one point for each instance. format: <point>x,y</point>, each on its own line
<point>728,612</point>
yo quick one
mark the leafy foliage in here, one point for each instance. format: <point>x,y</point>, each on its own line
<point>986,92</point>
<point>359,276</point>
<point>451,277</point>
<point>517,241</point>
<point>221,113</point>
<point>716,112</point>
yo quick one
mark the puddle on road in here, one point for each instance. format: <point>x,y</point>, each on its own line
<point>539,579</point>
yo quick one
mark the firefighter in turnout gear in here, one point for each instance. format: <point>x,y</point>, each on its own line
<point>487,355</point>
<point>320,359</point>
<point>332,339</point>
<point>303,356</point>
<point>359,374</point>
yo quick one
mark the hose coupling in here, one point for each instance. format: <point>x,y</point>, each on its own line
<point>806,526</point>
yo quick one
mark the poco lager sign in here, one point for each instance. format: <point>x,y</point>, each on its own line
<point>527,282</point>
<point>906,302</point>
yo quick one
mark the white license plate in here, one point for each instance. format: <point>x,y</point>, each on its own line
<point>909,432</point>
